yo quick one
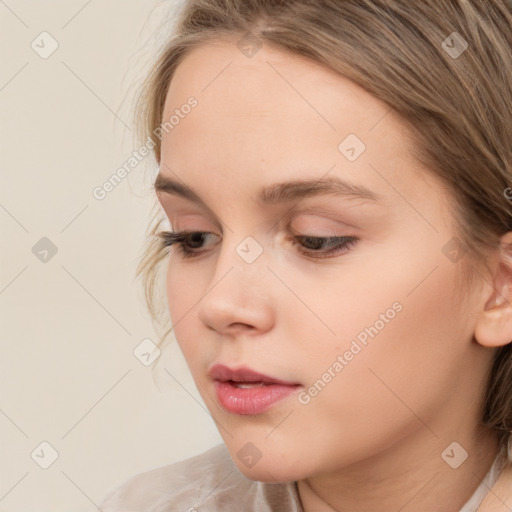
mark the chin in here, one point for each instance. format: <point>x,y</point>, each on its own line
<point>267,463</point>
<point>269,473</point>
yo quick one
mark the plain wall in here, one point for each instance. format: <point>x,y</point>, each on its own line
<point>70,324</point>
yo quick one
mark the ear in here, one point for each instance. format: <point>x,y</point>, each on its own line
<point>494,323</point>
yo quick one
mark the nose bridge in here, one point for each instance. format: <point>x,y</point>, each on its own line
<point>243,260</point>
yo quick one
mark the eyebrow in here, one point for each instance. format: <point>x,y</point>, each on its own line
<point>281,192</point>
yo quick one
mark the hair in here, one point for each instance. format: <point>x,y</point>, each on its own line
<point>458,108</point>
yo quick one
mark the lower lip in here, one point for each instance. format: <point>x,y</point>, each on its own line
<point>251,400</point>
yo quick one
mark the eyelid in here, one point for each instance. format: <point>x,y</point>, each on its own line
<point>338,215</point>
<point>333,220</point>
<point>321,227</point>
<point>186,209</point>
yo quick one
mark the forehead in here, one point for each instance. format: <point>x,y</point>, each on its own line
<point>263,119</point>
<point>271,82</point>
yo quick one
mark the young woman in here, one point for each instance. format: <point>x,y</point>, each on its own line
<point>338,178</point>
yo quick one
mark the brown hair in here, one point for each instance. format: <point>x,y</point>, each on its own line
<point>458,105</point>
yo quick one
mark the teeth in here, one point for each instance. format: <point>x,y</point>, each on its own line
<point>248,385</point>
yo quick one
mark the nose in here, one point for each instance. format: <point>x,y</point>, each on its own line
<point>239,297</point>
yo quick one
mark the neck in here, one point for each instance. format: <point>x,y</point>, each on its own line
<point>409,476</point>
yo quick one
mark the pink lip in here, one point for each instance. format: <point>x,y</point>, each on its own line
<point>244,374</point>
<point>248,400</point>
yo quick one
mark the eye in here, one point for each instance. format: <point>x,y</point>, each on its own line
<point>189,243</point>
<point>324,247</point>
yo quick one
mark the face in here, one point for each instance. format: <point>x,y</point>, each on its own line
<point>345,298</point>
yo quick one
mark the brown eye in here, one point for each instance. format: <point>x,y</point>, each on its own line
<point>187,242</point>
<point>322,247</point>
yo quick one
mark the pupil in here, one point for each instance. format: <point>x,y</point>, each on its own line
<point>315,242</point>
<point>197,238</point>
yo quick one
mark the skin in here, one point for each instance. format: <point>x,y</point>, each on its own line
<point>372,439</point>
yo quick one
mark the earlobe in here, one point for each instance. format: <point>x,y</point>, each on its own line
<point>494,324</point>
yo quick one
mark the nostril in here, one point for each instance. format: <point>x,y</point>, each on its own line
<point>241,326</point>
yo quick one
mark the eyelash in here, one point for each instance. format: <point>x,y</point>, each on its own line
<point>179,239</point>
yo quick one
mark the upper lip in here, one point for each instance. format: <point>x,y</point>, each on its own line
<point>243,374</point>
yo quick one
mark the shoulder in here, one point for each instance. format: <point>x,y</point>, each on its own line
<point>209,481</point>
<point>177,483</point>
<point>499,497</point>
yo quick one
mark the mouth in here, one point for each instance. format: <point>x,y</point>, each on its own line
<point>246,385</point>
<point>247,392</point>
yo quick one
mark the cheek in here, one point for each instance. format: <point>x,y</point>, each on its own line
<point>395,367</point>
<point>393,385</point>
<point>182,294</point>
<point>185,287</point>
<point>407,287</point>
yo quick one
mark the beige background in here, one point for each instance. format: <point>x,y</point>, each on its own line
<point>68,375</point>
